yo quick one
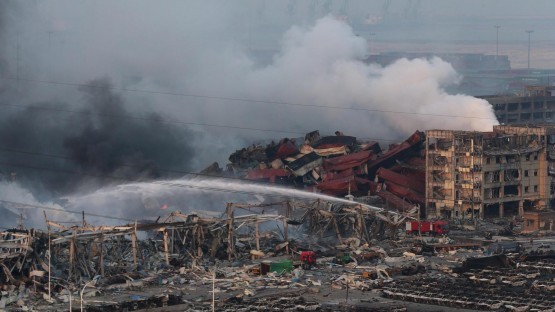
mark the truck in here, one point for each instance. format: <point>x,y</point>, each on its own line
<point>433,228</point>
<point>308,259</point>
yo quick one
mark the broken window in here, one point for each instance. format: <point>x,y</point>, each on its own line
<point>491,193</point>
<point>510,190</point>
<point>440,160</point>
<point>492,176</point>
<point>511,175</point>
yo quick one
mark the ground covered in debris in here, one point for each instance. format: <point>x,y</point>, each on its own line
<point>317,253</point>
<point>391,275</point>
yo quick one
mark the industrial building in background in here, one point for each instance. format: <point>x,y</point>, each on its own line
<point>502,173</point>
<point>536,105</point>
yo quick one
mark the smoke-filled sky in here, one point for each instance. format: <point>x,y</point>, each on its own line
<point>165,79</point>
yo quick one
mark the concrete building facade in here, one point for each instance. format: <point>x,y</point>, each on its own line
<point>538,221</point>
<point>489,174</point>
<point>535,106</point>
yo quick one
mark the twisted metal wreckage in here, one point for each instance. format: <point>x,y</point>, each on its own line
<point>67,257</point>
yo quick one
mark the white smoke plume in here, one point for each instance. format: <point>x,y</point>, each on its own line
<point>203,48</point>
<point>322,65</point>
<point>19,201</point>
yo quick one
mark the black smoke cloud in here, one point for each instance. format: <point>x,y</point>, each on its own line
<point>102,141</point>
<point>113,142</point>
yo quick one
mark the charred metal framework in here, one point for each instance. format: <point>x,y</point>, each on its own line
<point>488,174</point>
<point>76,255</point>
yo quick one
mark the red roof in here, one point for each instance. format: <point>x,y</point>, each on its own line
<point>395,151</point>
<point>404,192</point>
<point>401,180</point>
<point>336,175</point>
<point>262,174</point>
<point>349,161</point>
<point>342,186</point>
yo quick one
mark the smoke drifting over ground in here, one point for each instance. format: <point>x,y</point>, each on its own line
<point>177,49</point>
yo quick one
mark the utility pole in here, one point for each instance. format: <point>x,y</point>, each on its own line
<point>17,60</point>
<point>370,35</point>
<point>496,43</point>
<point>529,32</point>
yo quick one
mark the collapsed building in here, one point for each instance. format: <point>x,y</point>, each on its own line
<point>340,166</point>
<point>506,172</point>
<point>65,259</point>
<point>443,173</point>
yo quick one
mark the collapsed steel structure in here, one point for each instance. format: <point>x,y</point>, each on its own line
<point>71,256</point>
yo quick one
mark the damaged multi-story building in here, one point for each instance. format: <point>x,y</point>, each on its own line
<point>501,173</point>
<point>535,105</point>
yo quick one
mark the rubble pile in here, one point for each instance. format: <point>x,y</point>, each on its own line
<point>58,264</point>
<point>234,263</point>
<point>339,165</point>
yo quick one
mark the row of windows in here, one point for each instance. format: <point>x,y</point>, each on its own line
<point>511,107</point>
<point>524,116</point>
<point>509,175</point>
<point>510,159</point>
<point>527,189</point>
<point>526,173</point>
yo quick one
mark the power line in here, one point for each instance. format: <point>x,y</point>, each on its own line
<point>163,121</point>
<point>157,120</point>
<point>10,150</point>
<point>24,205</point>
<point>223,98</point>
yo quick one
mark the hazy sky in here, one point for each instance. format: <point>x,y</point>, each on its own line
<point>214,47</point>
<point>192,64</point>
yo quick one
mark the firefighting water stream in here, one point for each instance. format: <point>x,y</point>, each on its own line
<point>149,199</point>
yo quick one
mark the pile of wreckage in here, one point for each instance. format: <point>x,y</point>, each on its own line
<point>251,258</point>
<point>338,165</point>
<point>66,262</point>
<point>290,255</point>
<point>496,283</point>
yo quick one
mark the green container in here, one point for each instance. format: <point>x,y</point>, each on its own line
<point>281,266</point>
<point>346,258</point>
